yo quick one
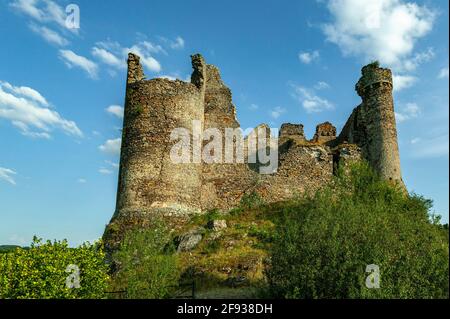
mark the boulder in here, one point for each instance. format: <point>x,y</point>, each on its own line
<point>189,240</point>
<point>217,225</point>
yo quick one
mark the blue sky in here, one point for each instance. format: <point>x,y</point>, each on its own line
<point>61,90</point>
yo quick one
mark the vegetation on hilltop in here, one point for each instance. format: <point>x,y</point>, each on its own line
<point>147,267</point>
<point>309,247</point>
<point>46,270</point>
<point>324,244</point>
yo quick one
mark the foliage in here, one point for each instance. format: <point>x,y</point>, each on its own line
<point>251,200</point>
<point>8,248</point>
<point>324,243</point>
<point>40,271</point>
<point>375,64</point>
<point>139,109</point>
<point>212,247</point>
<point>264,233</point>
<point>248,201</point>
<point>148,266</point>
<point>203,219</point>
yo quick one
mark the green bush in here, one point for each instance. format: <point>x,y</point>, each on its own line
<point>248,201</point>
<point>147,264</point>
<point>264,234</point>
<point>324,243</point>
<point>41,271</point>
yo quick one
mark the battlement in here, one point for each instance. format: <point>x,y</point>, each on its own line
<point>150,182</point>
<point>374,77</point>
<point>325,132</point>
<point>290,130</point>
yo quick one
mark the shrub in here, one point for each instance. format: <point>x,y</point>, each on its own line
<point>324,243</point>
<point>248,202</point>
<point>40,271</point>
<point>147,263</point>
<point>264,233</point>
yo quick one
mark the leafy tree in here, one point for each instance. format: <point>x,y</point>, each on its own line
<point>147,264</point>
<point>49,271</point>
<point>324,243</point>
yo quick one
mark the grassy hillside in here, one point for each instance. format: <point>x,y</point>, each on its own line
<point>320,246</point>
<point>316,246</point>
<point>229,262</point>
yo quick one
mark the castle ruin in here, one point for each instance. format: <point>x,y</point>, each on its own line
<point>149,182</point>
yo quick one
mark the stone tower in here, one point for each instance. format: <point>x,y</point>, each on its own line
<point>372,125</point>
<point>148,179</point>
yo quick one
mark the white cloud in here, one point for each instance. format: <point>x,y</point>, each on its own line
<point>254,107</point>
<point>105,171</point>
<point>115,165</point>
<point>311,102</point>
<point>178,43</point>
<point>175,76</point>
<point>112,54</point>
<point>49,35</point>
<point>408,112</point>
<point>418,59</point>
<point>402,82</point>
<point>277,112</point>
<point>168,77</point>
<point>384,30</point>
<point>111,146</point>
<point>153,48</point>
<point>443,74</point>
<point>115,110</point>
<point>321,85</point>
<point>25,92</point>
<point>146,59</point>
<point>416,140</point>
<point>41,10</point>
<point>7,175</point>
<point>71,59</point>
<point>308,57</point>
<point>108,58</point>
<point>29,7</point>
<point>82,181</point>
<point>55,13</point>
<point>26,108</point>
<point>434,147</point>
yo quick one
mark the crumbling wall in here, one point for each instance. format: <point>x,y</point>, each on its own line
<point>325,133</point>
<point>302,169</point>
<point>224,184</point>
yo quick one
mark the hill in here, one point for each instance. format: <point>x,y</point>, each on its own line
<point>8,248</point>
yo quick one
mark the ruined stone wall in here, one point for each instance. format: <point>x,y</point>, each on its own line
<point>223,184</point>
<point>150,182</point>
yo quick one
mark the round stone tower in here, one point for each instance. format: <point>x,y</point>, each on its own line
<point>148,179</point>
<point>378,117</point>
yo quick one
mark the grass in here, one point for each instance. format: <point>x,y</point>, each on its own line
<point>231,261</point>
